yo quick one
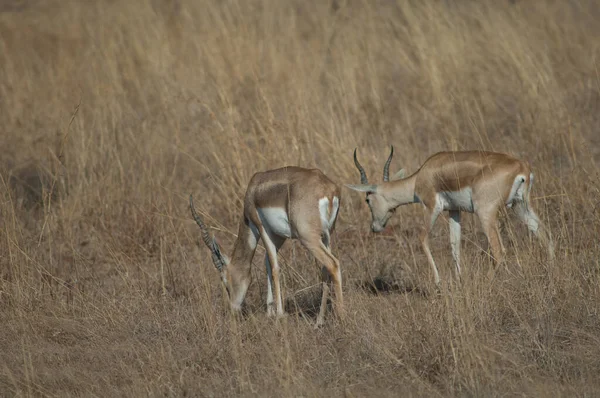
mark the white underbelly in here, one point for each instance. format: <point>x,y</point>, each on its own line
<point>276,220</point>
<point>459,200</point>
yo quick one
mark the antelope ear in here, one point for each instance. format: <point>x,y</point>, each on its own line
<point>362,187</point>
<point>399,174</point>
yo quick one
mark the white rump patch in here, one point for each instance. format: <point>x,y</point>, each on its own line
<point>517,191</point>
<point>336,208</point>
<point>460,200</point>
<point>327,219</point>
<point>254,235</point>
<point>276,220</point>
<point>324,212</point>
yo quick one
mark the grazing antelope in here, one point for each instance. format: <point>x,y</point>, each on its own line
<point>286,203</point>
<point>473,181</point>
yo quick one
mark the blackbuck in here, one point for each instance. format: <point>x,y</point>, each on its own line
<point>286,203</point>
<point>473,181</point>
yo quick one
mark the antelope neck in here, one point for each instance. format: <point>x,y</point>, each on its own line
<point>245,244</point>
<point>399,192</point>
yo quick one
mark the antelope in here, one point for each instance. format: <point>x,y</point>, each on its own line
<point>285,203</point>
<point>477,182</point>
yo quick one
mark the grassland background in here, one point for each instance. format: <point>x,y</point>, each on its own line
<point>113,112</point>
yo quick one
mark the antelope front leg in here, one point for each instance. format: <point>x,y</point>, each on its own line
<point>431,216</point>
<point>489,223</point>
<point>272,245</point>
<point>270,302</point>
<point>455,239</point>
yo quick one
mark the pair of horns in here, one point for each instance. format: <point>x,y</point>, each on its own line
<point>386,168</point>
<point>211,243</point>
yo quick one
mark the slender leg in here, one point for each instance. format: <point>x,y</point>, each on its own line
<point>455,239</point>
<point>272,245</point>
<point>489,223</point>
<point>239,275</point>
<point>324,256</point>
<point>270,302</point>
<point>326,291</point>
<point>431,216</point>
<point>502,247</point>
<point>528,216</point>
<point>278,242</point>
<point>325,281</point>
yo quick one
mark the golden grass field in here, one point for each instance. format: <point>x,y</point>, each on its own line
<point>113,112</point>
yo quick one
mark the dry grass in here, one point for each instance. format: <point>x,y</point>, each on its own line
<point>111,113</point>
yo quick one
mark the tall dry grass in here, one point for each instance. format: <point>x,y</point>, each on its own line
<point>111,113</point>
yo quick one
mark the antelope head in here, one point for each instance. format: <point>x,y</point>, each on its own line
<point>381,208</point>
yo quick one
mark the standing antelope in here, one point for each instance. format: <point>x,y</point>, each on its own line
<point>473,181</point>
<point>286,203</point>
